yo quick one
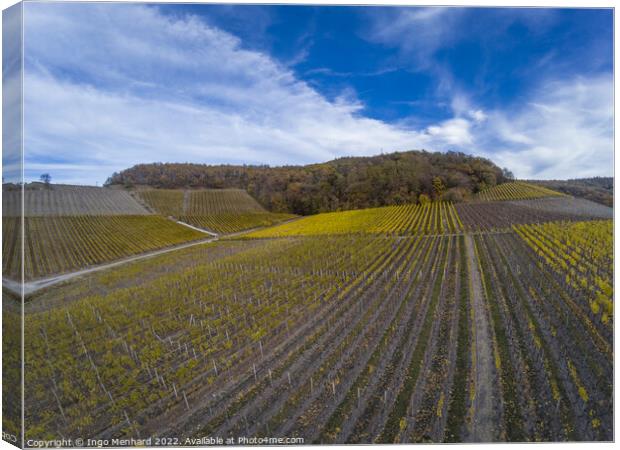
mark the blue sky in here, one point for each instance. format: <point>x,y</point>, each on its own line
<point>113,85</point>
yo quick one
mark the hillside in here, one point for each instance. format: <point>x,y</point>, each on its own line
<point>216,210</point>
<point>341,184</point>
<point>517,190</point>
<point>58,200</point>
<point>597,189</point>
<point>68,228</point>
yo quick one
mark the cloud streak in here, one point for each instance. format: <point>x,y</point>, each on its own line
<point>140,86</point>
<point>564,131</point>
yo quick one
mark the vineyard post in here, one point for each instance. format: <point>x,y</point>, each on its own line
<point>60,405</point>
<point>186,402</point>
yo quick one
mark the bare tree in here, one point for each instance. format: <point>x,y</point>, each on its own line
<point>46,178</point>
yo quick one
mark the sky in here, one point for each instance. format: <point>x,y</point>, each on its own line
<point>111,85</point>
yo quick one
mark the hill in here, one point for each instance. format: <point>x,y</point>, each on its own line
<point>597,189</point>
<point>517,190</point>
<point>67,228</point>
<point>341,184</point>
<point>60,199</point>
<point>216,210</point>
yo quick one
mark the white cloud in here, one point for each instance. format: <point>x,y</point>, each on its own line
<point>565,131</point>
<point>477,114</point>
<point>418,32</point>
<point>454,131</point>
<point>137,86</point>
<point>11,98</point>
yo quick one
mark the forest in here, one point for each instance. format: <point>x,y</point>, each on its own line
<point>341,184</point>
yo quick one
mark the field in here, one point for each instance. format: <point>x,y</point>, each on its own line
<point>67,228</point>
<point>167,202</point>
<point>217,210</point>
<point>433,218</point>
<point>63,200</point>
<point>498,215</point>
<point>225,223</point>
<point>517,190</point>
<point>486,321</point>
<point>64,243</point>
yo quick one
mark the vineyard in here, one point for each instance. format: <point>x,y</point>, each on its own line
<point>434,218</point>
<point>354,338</point>
<point>63,200</point>
<point>498,215</point>
<point>60,244</point>
<point>167,202</point>
<point>583,253</point>
<point>230,223</point>
<point>517,190</point>
<point>475,322</point>
<point>217,210</point>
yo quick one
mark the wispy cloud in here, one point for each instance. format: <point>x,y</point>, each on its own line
<point>11,98</point>
<point>418,32</point>
<point>141,86</point>
<point>564,131</point>
<point>163,89</point>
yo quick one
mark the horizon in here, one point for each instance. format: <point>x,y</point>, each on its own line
<point>528,88</point>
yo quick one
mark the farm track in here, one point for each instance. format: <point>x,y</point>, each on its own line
<point>202,230</point>
<point>31,287</point>
<point>483,414</point>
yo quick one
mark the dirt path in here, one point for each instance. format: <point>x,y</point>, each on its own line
<point>483,417</point>
<point>202,230</point>
<point>36,285</point>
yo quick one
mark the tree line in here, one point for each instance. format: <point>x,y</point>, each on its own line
<point>344,183</point>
